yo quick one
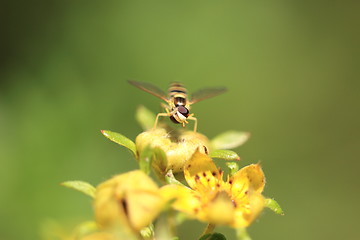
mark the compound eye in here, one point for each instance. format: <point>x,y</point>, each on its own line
<point>183,110</point>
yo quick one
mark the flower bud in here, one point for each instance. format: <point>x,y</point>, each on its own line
<point>130,200</point>
<point>178,146</point>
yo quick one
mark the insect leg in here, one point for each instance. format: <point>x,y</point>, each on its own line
<point>160,115</point>
<point>190,117</point>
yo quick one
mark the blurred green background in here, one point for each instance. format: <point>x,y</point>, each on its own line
<point>291,67</point>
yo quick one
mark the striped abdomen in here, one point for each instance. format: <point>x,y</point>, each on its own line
<point>178,92</point>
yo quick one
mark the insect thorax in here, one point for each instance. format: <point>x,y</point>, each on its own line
<point>179,101</point>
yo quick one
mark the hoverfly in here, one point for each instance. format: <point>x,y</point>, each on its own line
<point>178,102</point>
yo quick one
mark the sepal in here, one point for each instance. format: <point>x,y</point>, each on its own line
<point>225,154</point>
<point>229,140</point>
<point>80,186</point>
<point>120,139</point>
<point>145,117</point>
<point>274,206</point>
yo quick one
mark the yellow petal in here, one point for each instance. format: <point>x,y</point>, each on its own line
<point>220,210</point>
<point>246,187</point>
<point>185,199</point>
<point>201,173</point>
<point>247,213</point>
<point>109,210</point>
<point>131,199</point>
<point>143,207</point>
<point>247,180</point>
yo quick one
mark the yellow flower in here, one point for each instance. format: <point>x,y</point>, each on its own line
<point>131,200</point>
<point>235,202</point>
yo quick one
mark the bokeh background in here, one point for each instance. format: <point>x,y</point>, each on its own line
<point>291,67</point>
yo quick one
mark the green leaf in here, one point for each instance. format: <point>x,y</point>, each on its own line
<point>145,159</point>
<point>120,139</point>
<point>159,163</point>
<point>213,236</point>
<point>145,117</point>
<point>233,167</point>
<point>170,178</point>
<point>274,206</point>
<point>81,186</point>
<point>225,154</point>
<point>229,140</point>
<point>160,160</point>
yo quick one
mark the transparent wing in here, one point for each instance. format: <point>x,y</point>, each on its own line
<point>206,93</point>
<point>148,87</point>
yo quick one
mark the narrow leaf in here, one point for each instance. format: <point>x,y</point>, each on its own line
<point>225,154</point>
<point>233,167</point>
<point>274,206</point>
<point>145,159</point>
<point>213,236</point>
<point>81,186</point>
<point>230,140</point>
<point>120,139</point>
<point>145,117</point>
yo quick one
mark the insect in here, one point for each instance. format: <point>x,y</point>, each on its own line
<point>178,102</point>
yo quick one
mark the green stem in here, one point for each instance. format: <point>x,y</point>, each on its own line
<point>209,229</point>
<point>242,234</point>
